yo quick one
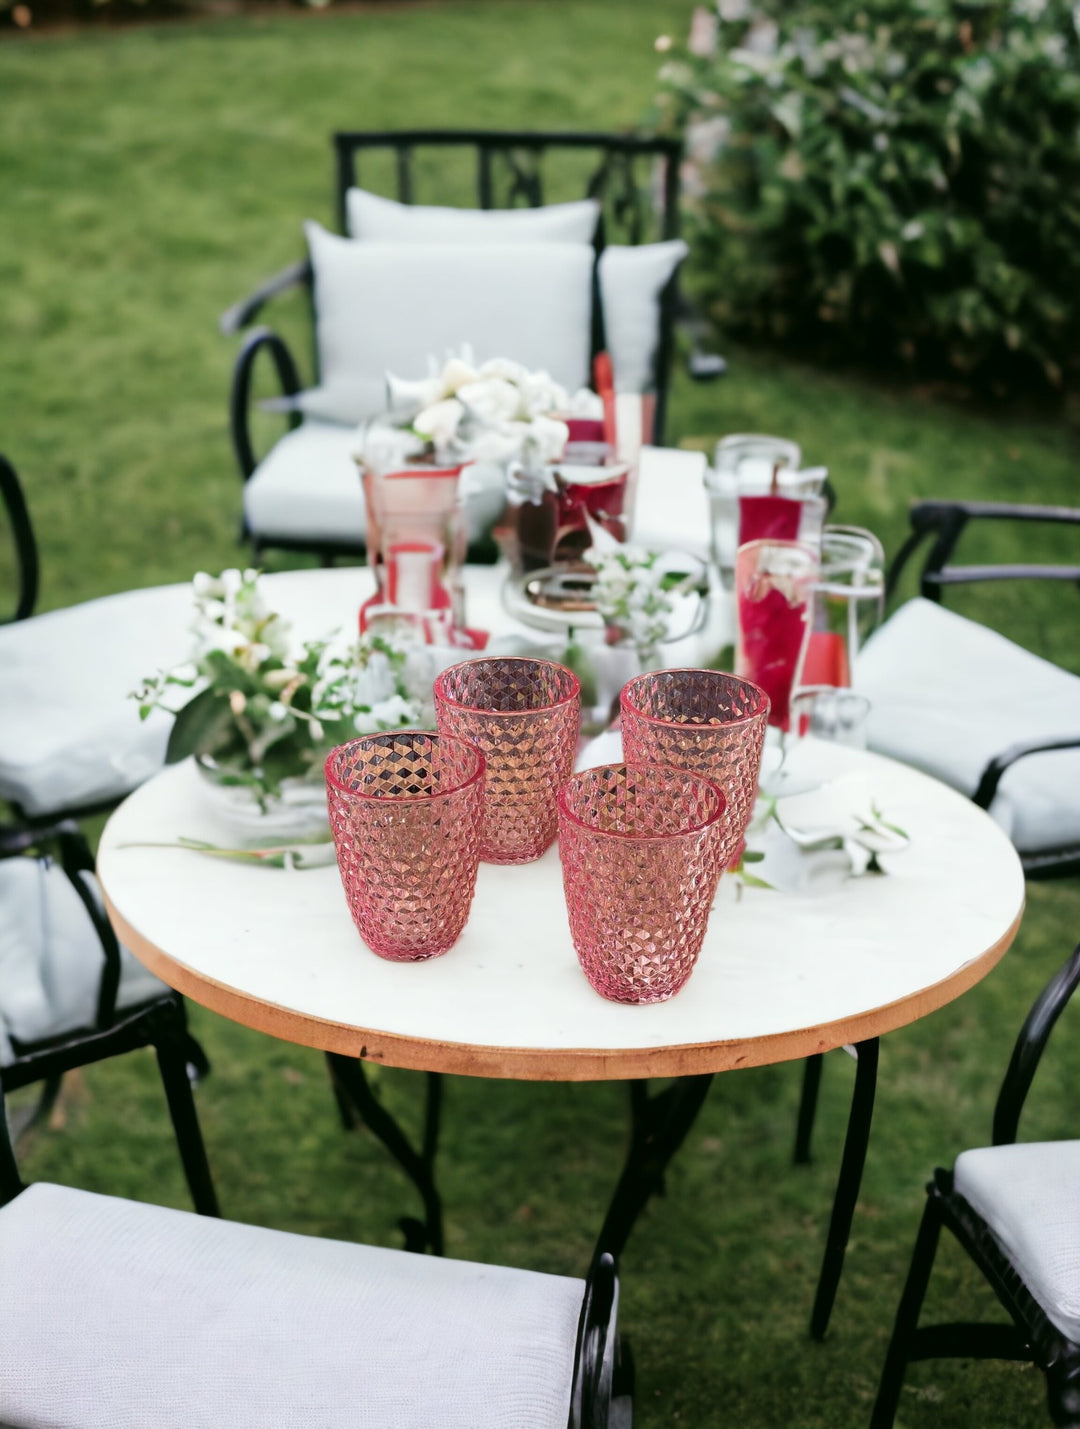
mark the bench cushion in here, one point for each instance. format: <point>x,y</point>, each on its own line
<point>119,1315</point>
<point>1029,1196</point>
<point>948,695</point>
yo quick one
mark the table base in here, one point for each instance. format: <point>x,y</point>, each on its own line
<point>658,1126</point>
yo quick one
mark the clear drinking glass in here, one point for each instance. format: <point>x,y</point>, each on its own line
<point>849,601</point>
<point>525,716</point>
<point>839,716</point>
<point>639,847</point>
<point>406,810</point>
<point>774,587</point>
<point>706,723</point>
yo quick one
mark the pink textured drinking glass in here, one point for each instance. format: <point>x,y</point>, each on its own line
<point>639,855</point>
<point>707,723</point>
<point>525,715</point>
<point>406,810</point>
<point>774,591</point>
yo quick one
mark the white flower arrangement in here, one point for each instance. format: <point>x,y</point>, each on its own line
<point>263,713</point>
<point>496,411</point>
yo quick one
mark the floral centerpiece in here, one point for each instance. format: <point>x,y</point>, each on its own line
<point>496,411</point>
<point>262,717</point>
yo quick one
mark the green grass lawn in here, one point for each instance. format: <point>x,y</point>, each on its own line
<point>149,178</point>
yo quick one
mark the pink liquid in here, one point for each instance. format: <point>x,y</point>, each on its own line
<point>771,518</point>
<point>772,635</point>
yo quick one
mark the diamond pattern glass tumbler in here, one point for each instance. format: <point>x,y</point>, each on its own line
<point>639,854</point>
<point>406,810</point>
<point>707,723</point>
<point>525,716</point>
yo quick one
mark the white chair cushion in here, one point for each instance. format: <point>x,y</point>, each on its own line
<point>69,734</point>
<point>51,960</point>
<point>373,218</point>
<point>631,281</point>
<point>671,505</point>
<point>1029,1196</point>
<point>948,694</point>
<point>119,1315</point>
<point>308,487</point>
<point>385,307</point>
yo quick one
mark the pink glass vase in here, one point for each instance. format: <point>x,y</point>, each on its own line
<point>406,810</point>
<point>774,589</point>
<point>639,847</point>
<point>707,723</point>
<point>525,716</point>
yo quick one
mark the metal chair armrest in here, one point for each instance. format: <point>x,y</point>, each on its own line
<point>234,319</point>
<point>25,545</point>
<point>944,522</point>
<point>240,395</point>
<point>992,775</point>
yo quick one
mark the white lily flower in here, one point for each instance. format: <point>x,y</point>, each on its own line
<point>503,367</point>
<point>540,394</point>
<point>441,421</point>
<point>492,400</point>
<point>457,373</point>
<point>545,440</point>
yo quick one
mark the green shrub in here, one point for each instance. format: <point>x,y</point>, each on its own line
<point>889,179</point>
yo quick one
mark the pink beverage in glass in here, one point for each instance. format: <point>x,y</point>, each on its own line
<point>707,723</point>
<point>774,517</point>
<point>774,586</point>
<point>525,716</point>
<point>639,847</point>
<point>406,809</point>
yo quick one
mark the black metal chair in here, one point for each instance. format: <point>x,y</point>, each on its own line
<point>635,179</point>
<point>102,1002</point>
<point>217,1321</point>
<point>991,1202</point>
<point>937,526</point>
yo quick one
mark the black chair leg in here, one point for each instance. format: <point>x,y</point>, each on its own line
<point>172,1056</point>
<point>804,1127</point>
<point>847,1185</point>
<point>907,1319</point>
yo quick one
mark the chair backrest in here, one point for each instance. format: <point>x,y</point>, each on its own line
<point>18,549</point>
<point>1034,1034</point>
<point>634,178</point>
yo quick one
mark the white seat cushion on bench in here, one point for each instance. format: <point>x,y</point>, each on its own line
<point>948,695</point>
<point>1029,1196</point>
<point>69,734</point>
<point>308,486</point>
<point>51,960</point>
<point>119,1315</point>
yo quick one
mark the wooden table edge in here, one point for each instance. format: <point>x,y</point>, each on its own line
<point>559,1063</point>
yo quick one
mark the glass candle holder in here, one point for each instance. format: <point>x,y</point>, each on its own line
<point>406,810</point>
<point>639,847</point>
<point>525,716</point>
<point>774,588</point>
<point>706,723</point>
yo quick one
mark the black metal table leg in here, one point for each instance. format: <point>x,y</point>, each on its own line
<point>658,1127</point>
<point>351,1086</point>
<point>804,1127</point>
<point>847,1185</point>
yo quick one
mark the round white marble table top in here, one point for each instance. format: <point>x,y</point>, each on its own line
<point>780,975</point>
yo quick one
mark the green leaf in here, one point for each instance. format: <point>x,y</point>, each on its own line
<point>198,726</point>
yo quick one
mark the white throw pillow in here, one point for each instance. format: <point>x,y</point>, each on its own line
<point>386,307</point>
<point>372,217</point>
<point>631,281</point>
